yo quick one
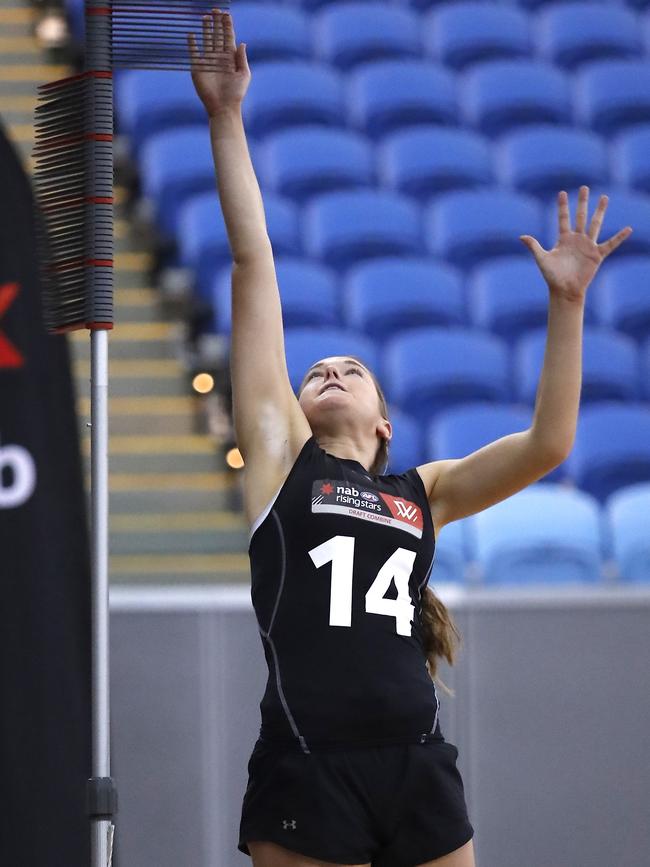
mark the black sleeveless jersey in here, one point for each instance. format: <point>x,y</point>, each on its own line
<point>339,560</point>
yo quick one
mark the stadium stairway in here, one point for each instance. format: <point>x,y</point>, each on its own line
<point>173,515</point>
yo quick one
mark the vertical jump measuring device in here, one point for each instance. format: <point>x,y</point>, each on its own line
<point>73,185</point>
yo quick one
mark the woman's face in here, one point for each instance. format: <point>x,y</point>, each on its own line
<point>340,388</point>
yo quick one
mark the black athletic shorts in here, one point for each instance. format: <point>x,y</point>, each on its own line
<point>393,806</point>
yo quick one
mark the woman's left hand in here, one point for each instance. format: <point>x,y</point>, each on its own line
<point>571,265</point>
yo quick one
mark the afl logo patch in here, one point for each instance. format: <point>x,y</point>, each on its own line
<point>368,495</point>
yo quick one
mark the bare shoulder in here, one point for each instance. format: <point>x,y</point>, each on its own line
<point>270,456</point>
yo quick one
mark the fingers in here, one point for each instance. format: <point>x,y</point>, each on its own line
<point>533,245</point>
<point>563,212</point>
<point>597,219</point>
<point>208,43</point>
<point>195,54</point>
<point>608,247</point>
<point>217,21</point>
<point>581,211</point>
<point>228,33</point>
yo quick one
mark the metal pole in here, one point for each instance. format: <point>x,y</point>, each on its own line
<point>102,828</point>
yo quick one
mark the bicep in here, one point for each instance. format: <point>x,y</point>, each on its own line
<point>464,486</point>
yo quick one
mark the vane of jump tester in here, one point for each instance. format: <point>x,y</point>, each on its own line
<point>73,186</point>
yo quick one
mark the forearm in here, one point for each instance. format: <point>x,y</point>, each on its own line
<point>558,393</point>
<point>239,192</point>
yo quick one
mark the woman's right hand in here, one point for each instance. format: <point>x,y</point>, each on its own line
<point>220,72</point>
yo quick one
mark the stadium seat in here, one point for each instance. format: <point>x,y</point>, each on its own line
<point>405,449</point>
<point>467,32</point>
<point>203,240</point>
<point>610,365</point>
<point>423,160</point>
<point>461,430</point>
<point>573,33</point>
<point>387,94</point>
<point>630,158</point>
<point>175,165</point>
<point>302,161</point>
<point>621,295</point>
<point>612,447</point>
<point>308,292</point>
<point>467,226</point>
<point>536,4</point>
<point>450,557</point>
<point>508,295</point>
<point>428,369</point>
<point>390,294</point>
<point>148,101</point>
<point>624,208</point>
<point>272,31</point>
<point>289,93</point>
<point>524,540</point>
<point>627,513</point>
<point>306,346</point>
<point>545,159</point>
<point>498,95</point>
<point>612,94</point>
<point>348,33</point>
<point>340,228</point>
<point>645,367</point>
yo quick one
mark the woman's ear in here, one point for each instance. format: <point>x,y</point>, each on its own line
<point>385,429</point>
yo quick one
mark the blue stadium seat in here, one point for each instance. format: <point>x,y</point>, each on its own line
<point>536,4</point>
<point>467,226</point>
<point>203,240</point>
<point>405,449</point>
<point>624,208</point>
<point>612,94</point>
<point>308,292</point>
<point>386,94</point>
<point>545,159</point>
<point>450,553</point>
<point>422,160</point>
<point>610,365</point>
<point>348,33</point>
<point>148,101</point>
<point>289,93</point>
<point>461,430</point>
<point>175,165</point>
<point>498,95</point>
<point>306,346</point>
<point>470,31</point>
<point>302,161</point>
<point>573,33</point>
<point>508,296</point>
<point>272,31</point>
<point>428,369</point>
<point>524,540</point>
<point>342,227</point>
<point>391,294</point>
<point>630,158</point>
<point>621,295</point>
<point>627,513</point>
<point>645,367</point>
<point>612,447</point>
<point>314,5</point>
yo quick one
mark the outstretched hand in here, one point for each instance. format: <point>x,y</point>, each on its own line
<point>220,72</point>
<point>572,263</point>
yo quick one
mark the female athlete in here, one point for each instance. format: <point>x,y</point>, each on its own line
<point>351,766</point>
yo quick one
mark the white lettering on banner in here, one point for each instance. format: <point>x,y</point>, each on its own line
<point>23,470</point>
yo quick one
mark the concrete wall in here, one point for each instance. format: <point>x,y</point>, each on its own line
<point>551,718</point>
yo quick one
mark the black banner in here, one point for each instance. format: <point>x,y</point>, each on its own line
<point>45,631</point>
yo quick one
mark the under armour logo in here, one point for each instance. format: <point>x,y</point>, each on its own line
<point>406,511</point>
<point>289,823</point>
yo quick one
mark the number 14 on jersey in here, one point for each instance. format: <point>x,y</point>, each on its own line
<point>339,551</point>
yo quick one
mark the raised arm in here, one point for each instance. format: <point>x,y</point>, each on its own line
<point>270,426</point>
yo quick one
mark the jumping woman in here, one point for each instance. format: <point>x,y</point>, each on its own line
<point>351,766</point>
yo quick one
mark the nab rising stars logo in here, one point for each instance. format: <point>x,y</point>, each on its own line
<point>336,496</point>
